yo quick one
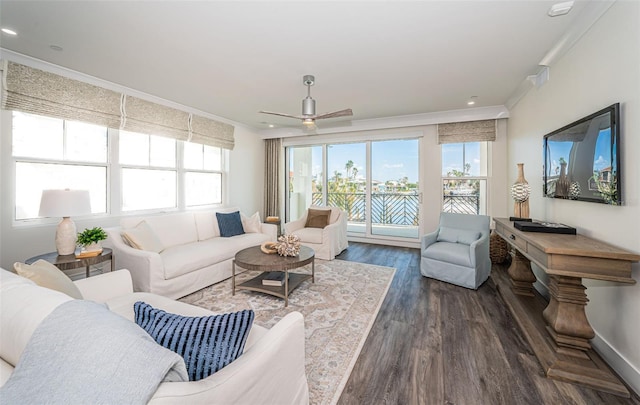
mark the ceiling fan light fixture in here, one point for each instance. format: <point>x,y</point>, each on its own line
<point>308,106</point>
<point>309,122</point>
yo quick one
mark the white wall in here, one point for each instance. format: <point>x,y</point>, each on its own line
<point>601,69</point>
<point>245,186</point>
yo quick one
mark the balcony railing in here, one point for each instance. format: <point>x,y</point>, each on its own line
<point>386,208</point>
<point>395,208</point>
<point>462,204</point>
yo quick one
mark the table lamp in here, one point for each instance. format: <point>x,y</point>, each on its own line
<point>65,203</point>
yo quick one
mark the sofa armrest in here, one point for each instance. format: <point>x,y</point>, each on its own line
<point>428,240</point>
<point>479,249</point>
<point>272,371</point>
<point>293,226</point>
<point>142,265</point>
<point>271,230</point>
<point>103,287</point>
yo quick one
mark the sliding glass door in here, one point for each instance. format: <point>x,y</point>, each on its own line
<point>395,195</point>
<point>375,182</point>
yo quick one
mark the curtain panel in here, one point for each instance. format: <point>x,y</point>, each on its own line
<point>470,131</point>
<point>272,176</point>
<point>38,92</point>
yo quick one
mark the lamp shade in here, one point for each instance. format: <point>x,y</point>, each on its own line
<point>65,203</point>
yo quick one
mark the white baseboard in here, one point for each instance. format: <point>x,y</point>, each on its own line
<point>616,361</point>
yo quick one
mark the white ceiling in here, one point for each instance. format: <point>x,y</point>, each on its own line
<point>234,58</point>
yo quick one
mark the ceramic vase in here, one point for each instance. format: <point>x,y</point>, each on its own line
<point>520,192</point>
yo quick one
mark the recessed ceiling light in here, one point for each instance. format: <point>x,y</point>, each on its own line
<point>271,125</point>
<point>56,48</point>
<point>9,32</point>
<point>559,9</point>
<point>472,100</point>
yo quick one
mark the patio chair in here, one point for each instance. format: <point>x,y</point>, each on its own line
<point>324,229</point>
<point>458,251</point>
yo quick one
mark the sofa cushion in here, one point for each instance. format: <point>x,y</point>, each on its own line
<point>207,343</point>
<point>251,224</point>
<point>206,225</point>
<point>317,218</point>
<point>179,260</point>
<point>24,306</point>
<point>142,237</point>
<point>309,235</point>
<point>47,275</point>
<point>456,235</point>
<point>230,224</point>
<point>456,253</point>
<point>174,229</point>
<point>335,211</point>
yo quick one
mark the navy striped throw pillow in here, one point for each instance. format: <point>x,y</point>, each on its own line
<point>207,343</point>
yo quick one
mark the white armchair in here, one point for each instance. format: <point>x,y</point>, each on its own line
<point>327,241</point>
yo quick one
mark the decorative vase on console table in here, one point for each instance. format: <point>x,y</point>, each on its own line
<point>520,272</point>
<point>520,192</point>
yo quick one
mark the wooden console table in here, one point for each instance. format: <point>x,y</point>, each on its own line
<point>560,333</point>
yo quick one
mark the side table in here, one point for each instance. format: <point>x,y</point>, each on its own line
<point>69,262</point>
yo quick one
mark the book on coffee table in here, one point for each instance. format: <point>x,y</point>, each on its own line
<point>274,278</point>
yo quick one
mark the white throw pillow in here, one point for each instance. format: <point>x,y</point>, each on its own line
<point>251,224</point>
<point>142,237</point>
<point>47,275</point>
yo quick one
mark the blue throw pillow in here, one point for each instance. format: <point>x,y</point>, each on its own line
<point>206,343</point>
<point>229,224</point>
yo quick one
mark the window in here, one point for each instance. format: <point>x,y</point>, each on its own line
<point>51,153</point>
<point>203,174</point>
<point>464,177</point>
<point>148,172</point>
<point>149,175</point>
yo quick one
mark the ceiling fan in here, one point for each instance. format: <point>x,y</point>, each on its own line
<point>309,115</point>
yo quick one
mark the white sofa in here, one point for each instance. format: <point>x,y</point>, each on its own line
<point>193,255</point>
<point>327,242</point>
<point>271,369</point>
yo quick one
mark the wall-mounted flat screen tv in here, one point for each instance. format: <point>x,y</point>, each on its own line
<point>582,159</point>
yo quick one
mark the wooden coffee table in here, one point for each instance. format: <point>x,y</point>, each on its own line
<point>254,259</point>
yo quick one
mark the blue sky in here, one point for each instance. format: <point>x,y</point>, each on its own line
<point>393,160</point>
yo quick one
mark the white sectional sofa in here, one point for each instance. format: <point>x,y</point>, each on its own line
<point>271,369</point>
<point>190,254</point>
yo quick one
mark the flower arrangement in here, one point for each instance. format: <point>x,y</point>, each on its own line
<point>288,245</point>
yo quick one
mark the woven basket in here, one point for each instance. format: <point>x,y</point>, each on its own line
<point>498,249</point>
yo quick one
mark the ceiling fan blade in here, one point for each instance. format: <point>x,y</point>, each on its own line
<point>283,115</point>
<point>341,113</point>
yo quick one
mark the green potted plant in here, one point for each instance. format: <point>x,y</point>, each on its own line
<point>90,239</point>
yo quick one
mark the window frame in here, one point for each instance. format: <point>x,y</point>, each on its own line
<point>487,162</point>
<point>113,192</point>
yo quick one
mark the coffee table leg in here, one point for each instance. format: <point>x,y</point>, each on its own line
<point>233,277</point>
<point>313,270</point>
<point>286,288</point>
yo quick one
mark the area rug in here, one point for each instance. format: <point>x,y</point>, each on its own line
<point>339,310</point>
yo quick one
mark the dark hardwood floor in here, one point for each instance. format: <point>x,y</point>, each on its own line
<point>436,343</point>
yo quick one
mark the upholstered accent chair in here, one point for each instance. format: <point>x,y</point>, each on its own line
<point>458,251</point>
<point>323,229</point>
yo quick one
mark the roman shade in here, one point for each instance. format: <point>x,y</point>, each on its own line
<point>38,92</point>
<point>470,131</point>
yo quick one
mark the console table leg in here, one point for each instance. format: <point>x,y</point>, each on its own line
<point>565,315</point>
<point>522,278</point>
